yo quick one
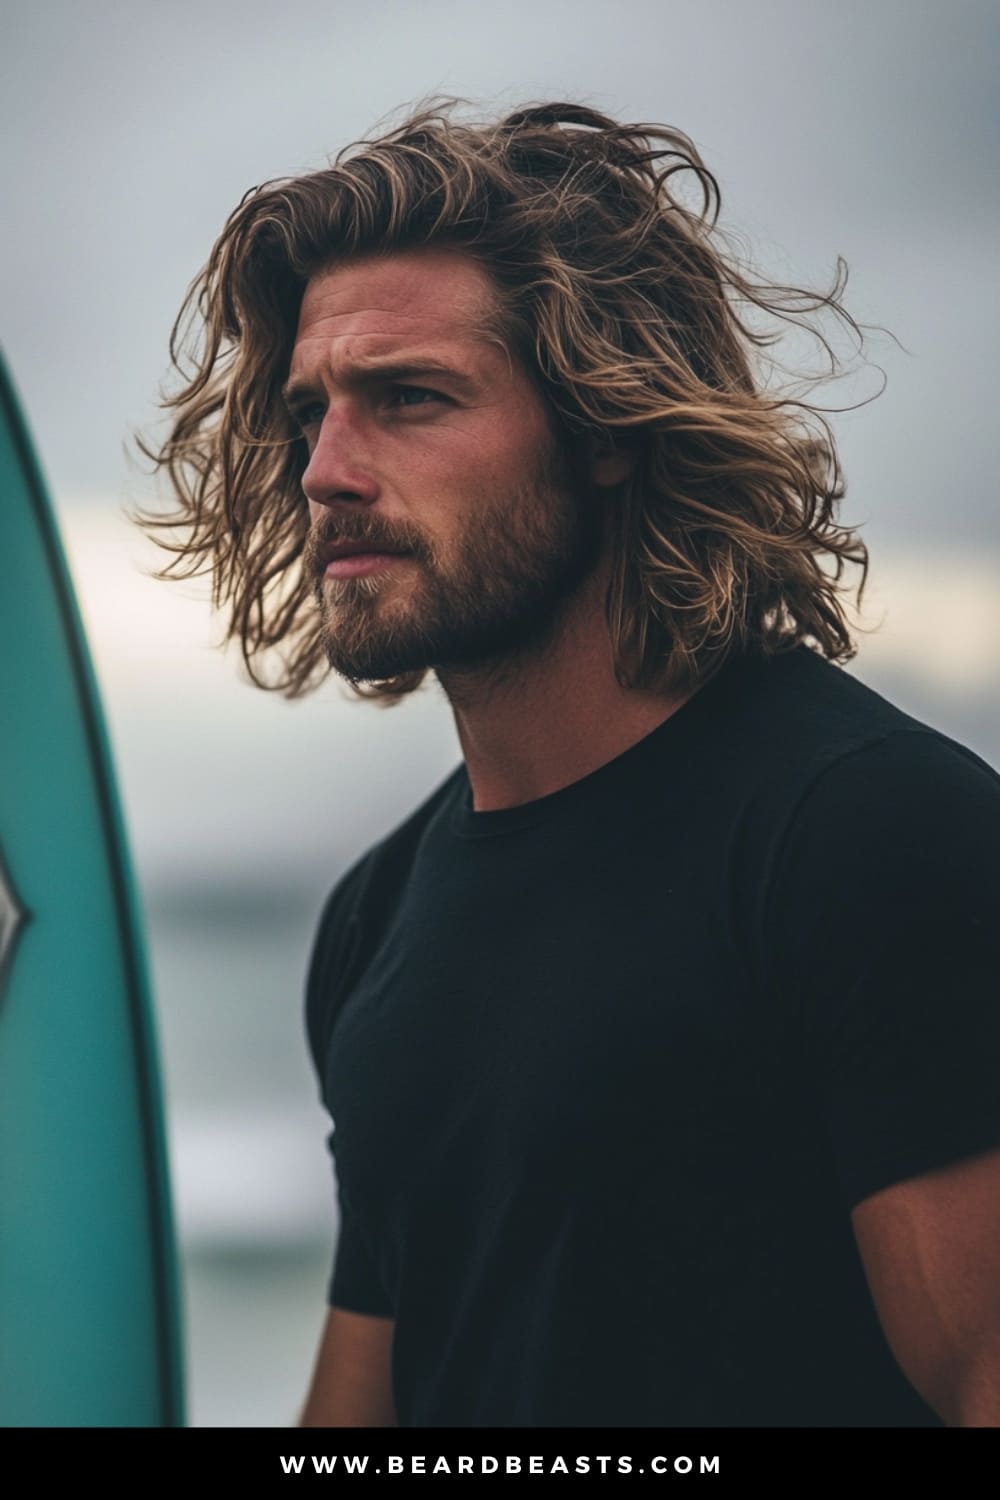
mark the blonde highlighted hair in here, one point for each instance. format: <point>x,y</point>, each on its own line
<point>633,316</point>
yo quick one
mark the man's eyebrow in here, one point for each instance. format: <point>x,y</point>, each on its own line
<point>370,370</point>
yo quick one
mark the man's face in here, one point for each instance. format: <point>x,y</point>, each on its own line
<point>427,446</point>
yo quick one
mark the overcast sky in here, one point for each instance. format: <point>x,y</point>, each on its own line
<point>867,130</point>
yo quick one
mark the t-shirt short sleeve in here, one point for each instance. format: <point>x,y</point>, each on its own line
<point>354,1282</point>
<point>882,939</point>
<point>328,960</point>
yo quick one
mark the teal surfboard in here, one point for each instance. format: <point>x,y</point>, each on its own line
<point>89,1292</point>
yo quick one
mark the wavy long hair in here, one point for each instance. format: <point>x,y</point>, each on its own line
<point>642,329</point>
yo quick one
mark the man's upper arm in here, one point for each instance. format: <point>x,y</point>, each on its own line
<point>931,1251</point>
<point>882,940</point>
<point>883,944</point>
<point>352,1376</point>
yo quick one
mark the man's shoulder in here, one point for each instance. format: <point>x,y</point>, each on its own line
<point>358,903</point>
<point>829,794</point>
<point>889,840</point>
<point>390,856</point>
<point>815,702</point>
<point>910,797</point>
<point>398,845</point>
<point>799,719</point>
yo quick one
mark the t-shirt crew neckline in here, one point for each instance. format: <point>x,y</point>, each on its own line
<point>467,823</point>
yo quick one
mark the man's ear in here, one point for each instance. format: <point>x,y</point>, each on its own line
<point>609,465</point>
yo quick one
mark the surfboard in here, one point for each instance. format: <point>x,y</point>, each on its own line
<point>90,1332</point>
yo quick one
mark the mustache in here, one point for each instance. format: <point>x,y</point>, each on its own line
<point>355,529</point>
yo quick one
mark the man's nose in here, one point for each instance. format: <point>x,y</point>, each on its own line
<point>339,467</point>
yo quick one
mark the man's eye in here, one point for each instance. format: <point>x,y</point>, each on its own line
<point>306,416</point>
<point>413,395</point>
<point>311,412</point>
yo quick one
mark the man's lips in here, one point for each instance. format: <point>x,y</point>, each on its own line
<point>351,559</point>
<point>351,549</point>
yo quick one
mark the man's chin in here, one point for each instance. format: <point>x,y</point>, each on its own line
<point>372,640</point>
<point>372,663</point>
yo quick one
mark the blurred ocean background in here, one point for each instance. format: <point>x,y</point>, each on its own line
<point>863,130</point>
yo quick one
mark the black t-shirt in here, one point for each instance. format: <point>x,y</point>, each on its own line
<point>608,1070</point>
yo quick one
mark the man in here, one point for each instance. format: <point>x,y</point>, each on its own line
<point>661,1041</point>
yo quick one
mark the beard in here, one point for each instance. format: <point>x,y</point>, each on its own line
<point>512,568</point>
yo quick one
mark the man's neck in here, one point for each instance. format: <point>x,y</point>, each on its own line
<point>531,725</point>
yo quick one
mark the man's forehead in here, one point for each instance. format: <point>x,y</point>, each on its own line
<point>422,294</point>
